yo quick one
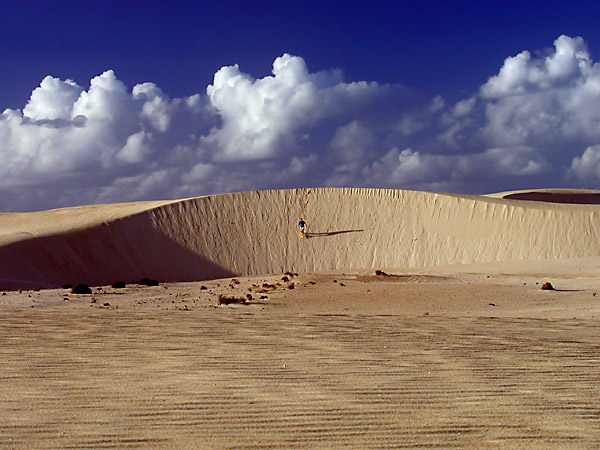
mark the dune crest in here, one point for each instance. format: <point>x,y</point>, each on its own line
<point>251,233</point>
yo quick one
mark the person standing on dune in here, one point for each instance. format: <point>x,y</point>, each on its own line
<point>302,225</point>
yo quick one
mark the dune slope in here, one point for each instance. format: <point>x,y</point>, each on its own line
<point>256,232</point>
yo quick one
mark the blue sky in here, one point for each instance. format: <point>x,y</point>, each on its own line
<point>143,100</point>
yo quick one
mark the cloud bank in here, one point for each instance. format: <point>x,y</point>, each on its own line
<point>536,123</point>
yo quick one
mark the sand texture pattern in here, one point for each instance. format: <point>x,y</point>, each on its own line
<point>455,346</point>
<point>253,233</point>
<point>215,381</point>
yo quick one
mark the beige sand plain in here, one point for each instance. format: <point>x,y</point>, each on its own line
<point>457,348</point>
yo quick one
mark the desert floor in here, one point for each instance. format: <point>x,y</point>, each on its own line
<point>452,357</point>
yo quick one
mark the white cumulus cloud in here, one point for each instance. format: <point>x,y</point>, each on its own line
<point>533,123</point>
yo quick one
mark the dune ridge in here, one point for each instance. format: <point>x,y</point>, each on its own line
<point>252,233</point>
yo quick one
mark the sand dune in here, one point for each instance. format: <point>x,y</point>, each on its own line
<point>252,233</point>
<point>574,196</point>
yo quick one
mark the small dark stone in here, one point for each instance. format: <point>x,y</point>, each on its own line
<point>547,286</point>
<point>203,288</point>
<point>291,286</point>
<point>285,279</point>
<point>107,304</point>
<point>249,297</point>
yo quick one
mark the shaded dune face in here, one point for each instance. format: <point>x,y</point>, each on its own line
<point>557,197</point>
<point>252,233</point>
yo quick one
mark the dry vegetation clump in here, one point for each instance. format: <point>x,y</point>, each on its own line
<point>291,286</point>
<point>67,286</point>
<point>203,288</point>
<point>118,285</point>
<point>547,286</point>
<point>235,281</point>
<point>81,289</point>
<point>285,279</point>
<point>227,299</point>
<point>148,282</point>
<point>268,286</point>
<point>248,297</point>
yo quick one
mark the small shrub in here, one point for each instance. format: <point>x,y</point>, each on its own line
<point>248,297</point>
<point>285,279</point>
<point>67,286</point>
<point>263,297</point>
<point>291,286</point>
<point>203,288</point>
<point>235,281</point>
<point>227,300</point>
<point>289,274</point>
<point>118,285</point>
<point>81,289</point>
<point>148,282</point>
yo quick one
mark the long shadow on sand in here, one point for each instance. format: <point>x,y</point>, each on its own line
<point>331,233</point>
<point>126,249</point>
